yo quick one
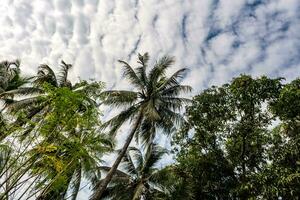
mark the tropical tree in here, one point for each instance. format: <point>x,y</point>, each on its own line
<point>76,144</point>
<point>10,76</point>
<point>223,149</point>
<point>139,177</point>
<point>31,101</point>
<point>154,104</point>
<point>282,177</point>
<point>10,79</point>
<point>55,113</point>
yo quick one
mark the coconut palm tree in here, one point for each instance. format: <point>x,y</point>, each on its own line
<point>10,76</point>
<point>31,101</point>
<point>34,101</point>
<point>68,146</point>
<point>153,104</point>
<point>68,162</point>
<point>10,79</point>
<point>39,102</point>
<point>139,177</point>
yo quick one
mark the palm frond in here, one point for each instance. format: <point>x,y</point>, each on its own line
<point>141,71</point>
<point>130,74</point>
<point>174,79</point>
<point>146,132</point>
<point>21,91</point>
<point>137,158</point>
<point>63,74</point>
<point>45,75</point>
<point>23,104</point>
<point>128,165</point>
<point>119,98</point>
<point>176,90</point>
<point>152,156</point>
<point>116,122</point>
<point>76,183</point>
<point>174,103</point>
<point>159,69</point>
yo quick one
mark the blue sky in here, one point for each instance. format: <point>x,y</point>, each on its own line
<point>215,39</point>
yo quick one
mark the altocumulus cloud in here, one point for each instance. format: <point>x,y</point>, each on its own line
<point>216,39</point>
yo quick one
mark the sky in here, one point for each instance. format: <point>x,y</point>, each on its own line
<point>215,39</point>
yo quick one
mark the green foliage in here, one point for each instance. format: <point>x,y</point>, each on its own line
<point>237,141</point>
<point>71,141</point>
<point>224,147</point>
<point>285,150</point>
<point>60,127</point>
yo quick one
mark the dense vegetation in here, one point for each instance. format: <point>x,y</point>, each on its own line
<point>235,141</point>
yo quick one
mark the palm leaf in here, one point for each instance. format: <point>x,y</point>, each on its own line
<point>76,183</point>
<point>45,75</point>
<point>159,70</point>
<point>174,79</point>
<point>141,71</point>
<point>152,156</point>
<point>119,98</point>
<point>130,74</point>
<point>116,122</point>
<point>63,75</point>
<point>176,90</point>
<point>21,91</point>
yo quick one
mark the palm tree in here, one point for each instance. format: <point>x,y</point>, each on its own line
<point>139,177</point>
<point>10,79</point>
<point>31,101</point>
<point>154,104</point>
<point>48,92</point>
<point>34,101</point>
<point>10,76</point>
<point>69,161</point>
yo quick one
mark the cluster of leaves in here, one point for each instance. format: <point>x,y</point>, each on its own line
<point>241,142</point>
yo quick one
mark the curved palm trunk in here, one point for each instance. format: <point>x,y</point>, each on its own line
<point>103,185</point>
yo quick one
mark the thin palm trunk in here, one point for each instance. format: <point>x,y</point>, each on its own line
<point>45,190</point>
<point>15,172</point>
<point>18,186</point>
<point>103,185</point>
<point>77,185</point>
<point>27,189</point>
<point>12,185</point>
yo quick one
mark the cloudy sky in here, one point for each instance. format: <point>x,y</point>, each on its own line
<point>216,39</point>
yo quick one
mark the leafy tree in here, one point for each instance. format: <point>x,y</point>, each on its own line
<point>228,144</point>
<point>282,177</point>
<point>152,105</point>
<point>75,146</point>
<point>64,117</point>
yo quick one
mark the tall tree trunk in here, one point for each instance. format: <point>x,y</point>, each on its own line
<point>103,185</point>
